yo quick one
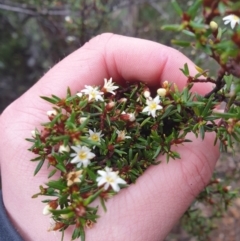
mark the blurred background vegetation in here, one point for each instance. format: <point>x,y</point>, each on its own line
<point>36,34</point>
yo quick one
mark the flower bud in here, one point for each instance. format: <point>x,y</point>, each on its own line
<point>34,133</point>
<point>110,105</point>
<point>165,84</point>
<point>51,113</point>
<point>51,205</point>
<point>213,25</point>
<point>82,119</point>
<point>63,149</point>
<point>68,19</point>
<point>227,188</point>
<point>146,94</point>
<point>79,94</point>
<point>132,117</point>
<point>162,92</point>
<point>122,100</point>
<point>56,226</point>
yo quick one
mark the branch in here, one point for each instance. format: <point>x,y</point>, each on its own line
<point>34,11</point>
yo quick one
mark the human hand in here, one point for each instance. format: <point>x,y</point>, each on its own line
<point>146,210</point>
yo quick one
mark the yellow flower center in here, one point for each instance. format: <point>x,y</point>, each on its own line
<point>95,137</point>
<point>109,179</point>
<point>153,106</point>
<point>236,18</point>
<point>82,155</point>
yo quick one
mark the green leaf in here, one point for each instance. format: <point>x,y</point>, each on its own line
<point>91,174</point>
<point>52,173</point>
<point>188,33</point>
<point>59,184</point>
<point>145,121</point>
<point>167,111</point>
<point>198,25</point>
<point>181,43</point>
<point>209,104</point>
<point>172,27</point>
<point>61,167</point>
<point>102,201</point>
<point>196,5</point>
<point>76,233</point>
<point>51,100</point>
<point>40,164</point>
<point>157,152</point>
<point>82,233</point>
<point>202,131</point>
<point>176,7</point>
<point>185,70</point>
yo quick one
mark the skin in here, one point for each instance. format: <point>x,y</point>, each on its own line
<point>146,210</point>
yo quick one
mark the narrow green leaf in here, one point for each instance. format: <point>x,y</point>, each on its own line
<point>61,167</point>
<point>40,164</point>
<point>51,100</point>
<point>188,33</point>
<point>172,27</point>
<point>60,184</point>
<point>145,121</point>
<point>102,201</point>
<point>202,131</point>
<point>176,7</point>
<point>157,152</point>
<point>52,173</point>
<point>209,104</point>
<point>181,43</point>
<point>82,233</point>
<point>192,11</point>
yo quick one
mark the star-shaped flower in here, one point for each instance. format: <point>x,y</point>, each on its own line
<point>152,106</point>
<point>93,93</point>
<point>109,178</point>
<point>109,86</point>
<point>82,156</point>
<point>74,177</point>
<point>94,135</point>
<point>122,136</point>
<point>232,19</point>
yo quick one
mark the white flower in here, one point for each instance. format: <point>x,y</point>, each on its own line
<point>232,19</point>
<point>46,210</point>
<point>79,94</point>
<point>74,177</point>
<point>52,205</point>
<point>83,155</point>
<point>63,149</point>
<point>128,116</point>
<point>131,117</point>
<point>94,135</point>
<point>34,133</point>
<point>93,93</point>
<point>70,39</point>
<point>68,19</point>
<point>82,119</point>
<point>152,106</point>
<point>122,136</point>
<point>51,113</point>
<point>109,178</point>
<point>109,86</point>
